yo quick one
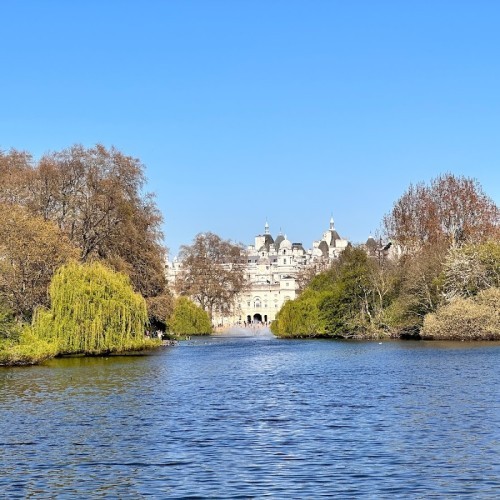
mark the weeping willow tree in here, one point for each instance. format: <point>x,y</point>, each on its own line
<point>93,310</point>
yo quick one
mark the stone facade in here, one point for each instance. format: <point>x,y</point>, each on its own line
<point>273,270</point>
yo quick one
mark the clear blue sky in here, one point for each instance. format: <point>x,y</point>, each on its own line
<point>247,110</point>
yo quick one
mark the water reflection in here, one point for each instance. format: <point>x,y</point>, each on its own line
<point>247,416</point>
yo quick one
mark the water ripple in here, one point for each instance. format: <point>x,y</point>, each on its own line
<point>244,417</point>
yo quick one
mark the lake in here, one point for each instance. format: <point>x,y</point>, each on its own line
<point>252,416</point>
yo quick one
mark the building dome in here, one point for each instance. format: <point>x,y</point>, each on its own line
<point>285,244</point>
<point>277,241</point>
<point>371,245</point>
<point>267,241</point>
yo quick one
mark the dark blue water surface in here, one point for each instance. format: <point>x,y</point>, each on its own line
<point>239,417</point>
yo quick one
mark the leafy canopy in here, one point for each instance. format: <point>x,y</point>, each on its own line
<point>93,310</point>
<point>188,318</point>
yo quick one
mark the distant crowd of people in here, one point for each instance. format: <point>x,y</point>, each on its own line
<point>150,334</point>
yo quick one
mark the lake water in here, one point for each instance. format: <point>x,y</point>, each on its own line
<point>240,417</point>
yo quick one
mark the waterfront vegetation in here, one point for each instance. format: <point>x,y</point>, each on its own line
<point>78,203</point>
<point>445,284</point>
<point>188,318</point>
<point>82,265</point>
<point>93,310</point>
<point>84,205</point>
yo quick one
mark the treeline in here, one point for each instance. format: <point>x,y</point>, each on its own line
<point>443,281</point>
<point>80,205</point>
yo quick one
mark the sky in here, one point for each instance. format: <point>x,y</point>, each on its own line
<point>244,111</point>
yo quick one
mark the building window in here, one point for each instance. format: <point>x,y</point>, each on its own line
<point>284,261</point>
<point>284,251</point>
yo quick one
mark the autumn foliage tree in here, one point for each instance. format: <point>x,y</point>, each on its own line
<point>450,209</point>
<point>15,171</point>
<point>212,272</point>
<point>31,249</point>
<point>94,196</point>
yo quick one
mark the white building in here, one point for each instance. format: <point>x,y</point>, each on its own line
<point>273,266</point>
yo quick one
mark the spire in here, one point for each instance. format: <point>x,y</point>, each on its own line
<point>266,228</point>
<point>332,225</point>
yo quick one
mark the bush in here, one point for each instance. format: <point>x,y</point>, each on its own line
<point>299,317</point>
<point>188,319</point>
<point>466,319</point>
<point>28,350</point>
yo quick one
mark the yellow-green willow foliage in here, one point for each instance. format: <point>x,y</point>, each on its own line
<point>93,310</point>
<point>27,350</point>
<point>188,318</point>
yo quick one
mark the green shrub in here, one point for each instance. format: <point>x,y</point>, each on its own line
<point>188,319</point>
<point>299,317</point>
<point>27,350</point>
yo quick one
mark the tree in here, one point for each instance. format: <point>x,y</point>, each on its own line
<point>345,300</point>
<point>93,310</point>
<point>15,171</point>
<point>306,275</point>
<point>300,317</point>
<point>31,249</point>
<point>418,288</point>
<point>10,329</point>
<point>451,209</point>
<point>187,318</point>
<point>470,269</point>
<point>212,272</point>
<point>160,308</point>
<point>94,195</point>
